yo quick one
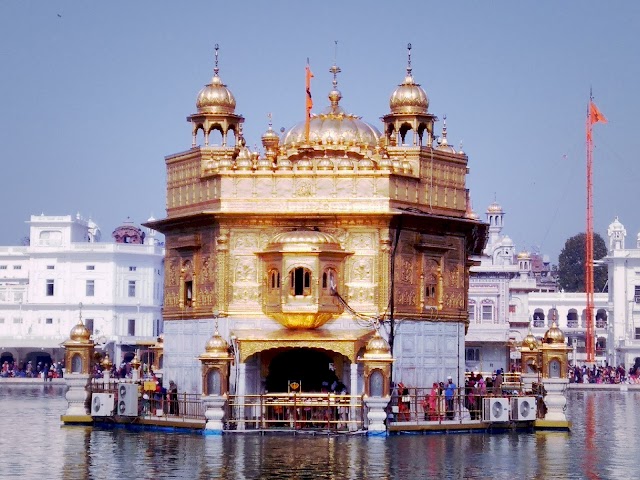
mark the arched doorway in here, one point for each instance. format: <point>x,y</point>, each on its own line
<point>6,357</point>
<point>304,365</point>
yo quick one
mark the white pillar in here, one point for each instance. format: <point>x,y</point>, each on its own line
<point>376,414</point>
<point>555,398</point>
<point>353,391</point>
<point>214,413</point>
<point>241,389</point>
<point>77,394</point>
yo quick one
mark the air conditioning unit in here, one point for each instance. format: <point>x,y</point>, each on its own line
<point>495,410</point>
<point>102,404</point>
<point>128,400</point>
<point>523,408</point>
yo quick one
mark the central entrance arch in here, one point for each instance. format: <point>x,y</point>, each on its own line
<point>307,366</point>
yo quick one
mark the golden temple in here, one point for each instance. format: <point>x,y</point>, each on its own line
<point>302,250</point>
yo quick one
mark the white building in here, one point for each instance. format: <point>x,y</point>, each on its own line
<point>509,293</point>
<point>624,297</point>
<point>66,273</point>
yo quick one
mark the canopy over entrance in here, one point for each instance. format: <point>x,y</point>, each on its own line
<point>344,342</point>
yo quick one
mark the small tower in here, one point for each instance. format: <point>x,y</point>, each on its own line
<point>409,107</point>
<point>555,353</point>
<point>77,358</point>
<point>524,264</point>
<point>216,361</point>
<point>215,366</point>
<point>616,233</point>
<point>530,351</point>
<point>78,349</point>
<point>377,361</point>
<point>216,110</point>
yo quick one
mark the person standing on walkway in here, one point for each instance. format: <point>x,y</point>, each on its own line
<point>449,395</point>
<point>497,383</point>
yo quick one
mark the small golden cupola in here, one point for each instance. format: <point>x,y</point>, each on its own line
<point>216,111</point>
<point>409,106</point>
<point>304,270</point>
<point>79,349</point>
<point>270,141</point>
<point>443,143</point>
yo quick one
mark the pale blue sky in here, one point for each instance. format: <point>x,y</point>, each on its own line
<point>93,96</point>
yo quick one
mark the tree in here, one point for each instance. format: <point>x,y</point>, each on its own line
<point>571,272</point>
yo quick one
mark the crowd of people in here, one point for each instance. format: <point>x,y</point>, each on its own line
<point>604,374</point>
<point>445,399</point>
<point>11,369</point>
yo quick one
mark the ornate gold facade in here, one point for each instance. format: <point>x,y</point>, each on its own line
<point>389,204</point>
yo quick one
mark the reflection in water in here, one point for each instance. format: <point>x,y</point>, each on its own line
<point>601,445</point>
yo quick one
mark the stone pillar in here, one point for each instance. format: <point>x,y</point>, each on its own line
<point>77,394</point>
<point>215,381</point>
<point>376,415</point>
<point>214,413</point>
<point>377,362</point>
<point>240,392</point>
<point>555,398</point>
<point>353,391</point>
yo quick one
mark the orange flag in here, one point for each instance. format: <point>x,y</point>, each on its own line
<point>308,77</point>
<point>595,116</point>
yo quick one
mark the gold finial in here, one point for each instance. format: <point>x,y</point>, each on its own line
<point>335,69</point>
<point>408,59</point>
<point>80,313</point>
<point>215,68</point>
<point>444,130</point>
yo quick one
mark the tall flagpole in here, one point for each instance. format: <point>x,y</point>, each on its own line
<point>588,265</point>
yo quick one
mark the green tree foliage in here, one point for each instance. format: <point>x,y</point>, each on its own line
<point>571,273</point>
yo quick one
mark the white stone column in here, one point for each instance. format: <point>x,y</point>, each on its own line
<point>376,414</point>
<point>555,399</point>
<point>214,413</point>
<point>241,389</point>
<point>353,390</point>
<point>77,393</point>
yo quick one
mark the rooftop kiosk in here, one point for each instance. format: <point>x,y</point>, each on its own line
<point>377,361</point>
<point>77,360</point>
<point>555,357</point>
<point>215,382</point>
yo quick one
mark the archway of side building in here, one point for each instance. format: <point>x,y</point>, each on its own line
<point>303,370</point>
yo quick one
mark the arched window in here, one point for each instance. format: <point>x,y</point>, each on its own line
<point>601,318</point>
<point>376,383</point>
<point>538,318</point>
<point>214,383</point>
<point>274,279</point>
<point>329,280</point>
<point>300,281</point>
<point>76,363</point>
<point>572,318</point>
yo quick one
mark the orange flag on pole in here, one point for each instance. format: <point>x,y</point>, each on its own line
<point>309,101</point>
<point>595,115</point>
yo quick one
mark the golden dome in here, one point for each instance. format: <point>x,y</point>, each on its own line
<point>554,335</point>
<point>530,342</point>
<point>524,255</point>
<point>216,345</point>
<point>216,97</point>
<point>303,240</point>
<point>409,98</point>
<point>334,126</point>
<point>377,346</point>
<point>80,333</point>
<point>494,208</point>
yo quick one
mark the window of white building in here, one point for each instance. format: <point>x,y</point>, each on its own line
<point>88,322</point>
<point>91,267</point>
<point>487,313</point>
<point>17,320</point>
<point>133,269</point>
<point>636,294</point>
<point>131,327</point>
<point>17,267</point>
<point>637,333</point>
<point>48,321</point>
<point>90,288</point>
<point>472,312</point>
<point>3,267</point>
<point>50,287</point>
<point>132,288</point>
<point>51,267</point>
